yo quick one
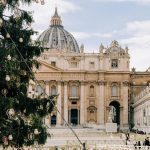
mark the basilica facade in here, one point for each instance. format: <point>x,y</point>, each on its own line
<point>88,85</point>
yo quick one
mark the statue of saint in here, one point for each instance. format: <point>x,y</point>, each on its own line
<point>110,116</point>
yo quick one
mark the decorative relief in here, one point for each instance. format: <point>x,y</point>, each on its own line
<point>91,82</point>
<point>102,82</point>
<point>91,102</point>
<point>65,82</point>
<point>59,81</point>
<point>92,77</point>
<point>73,58</point>
<point>82,82</point>
<point>125,83</point>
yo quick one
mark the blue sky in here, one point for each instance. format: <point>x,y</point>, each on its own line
<point>93,22</point>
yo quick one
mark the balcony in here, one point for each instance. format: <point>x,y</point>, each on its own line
<point>74,97</point>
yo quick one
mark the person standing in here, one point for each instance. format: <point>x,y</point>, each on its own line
<point>139,144</point>
<point>146,142</point>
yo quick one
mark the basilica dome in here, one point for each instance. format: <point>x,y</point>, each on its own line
<point>57,38</point>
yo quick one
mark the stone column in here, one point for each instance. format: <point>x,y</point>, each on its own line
<point>65,103</point>
<point>121,116</point>
<point>82,102</point>
<point>100,103</point>
<point>47,88</point>
<point>59,110</point>
<point>125,104</point>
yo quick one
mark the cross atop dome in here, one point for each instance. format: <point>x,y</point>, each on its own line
<point>56,19</point>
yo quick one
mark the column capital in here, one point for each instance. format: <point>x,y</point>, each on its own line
<point>101,82</point>
<point>59,81</point>
<point>46,82</point>
<point>65,82</point>
<point>83,82</point>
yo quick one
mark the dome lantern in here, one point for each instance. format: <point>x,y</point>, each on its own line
<point>56,19</point>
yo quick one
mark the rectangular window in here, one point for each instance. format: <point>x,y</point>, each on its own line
<point>74,92</point>
<point>114,63</point>
<point>92,65</point>
<point>73,64</point>
<point>114,91</point>
<point>53,63</point>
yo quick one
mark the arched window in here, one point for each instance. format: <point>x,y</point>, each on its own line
<point>91,90</point>
<point>53,90</point>
<point>114,90</point>
<point>74,91</point>
<point>39,89</point>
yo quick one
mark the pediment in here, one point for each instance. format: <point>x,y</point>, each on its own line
<point>46,67</point>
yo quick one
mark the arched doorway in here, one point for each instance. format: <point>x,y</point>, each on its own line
<point>53,120</point>
<point>115,109</point>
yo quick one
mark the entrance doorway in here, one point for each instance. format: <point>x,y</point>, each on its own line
<point>74,116</point>
<point>115,109</point>
<point>53,120</point>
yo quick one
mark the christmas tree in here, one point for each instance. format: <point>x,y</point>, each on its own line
<point>21,115</point>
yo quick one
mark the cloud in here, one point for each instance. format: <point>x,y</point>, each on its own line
<point>42,13</point>
<point>139,52</point>
<point>81,35</point>
<point>139,28</point>
<point>138,43</point>
<point>138,1</point>
<point>84,35</point>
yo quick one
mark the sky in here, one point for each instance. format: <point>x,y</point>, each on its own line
<point>93,22</point>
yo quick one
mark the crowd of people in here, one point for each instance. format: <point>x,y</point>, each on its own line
<point>146,142</point>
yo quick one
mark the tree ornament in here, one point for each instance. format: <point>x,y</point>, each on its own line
<point>9,57</point>
<point>10,137</point>
<point>36,132</point>
<point>4,92</point>
<point>10,112</point>
<point>8,35</point>
<point>20,40</point>
<point>7,78</point>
